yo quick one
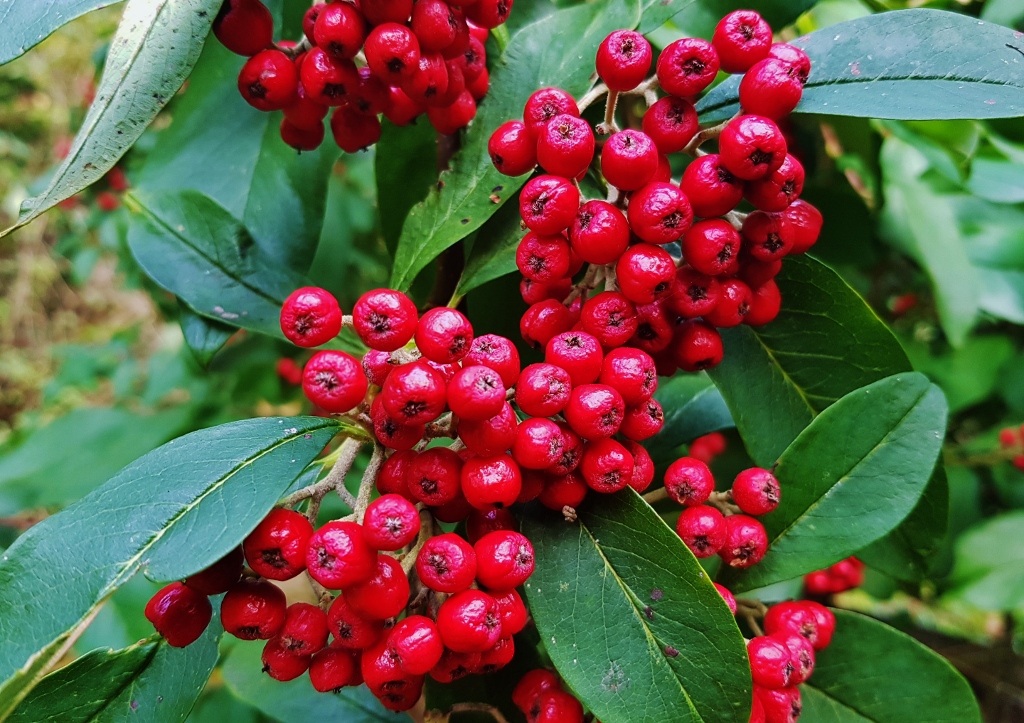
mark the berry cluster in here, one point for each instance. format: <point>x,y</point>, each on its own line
<point>844,575</point>
<point>542,699</point>
<point>1011,439</point>
<point>364,59</point>
<point>678,261</point>
<point>726,526</point>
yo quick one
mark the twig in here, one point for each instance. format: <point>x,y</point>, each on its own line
<point>752,622</point>
<point>368,482</point>
<point>476,708</point>
<point>592,95</point>
<point>590,281</point>
<point>656,496</point>
<point>704,136</point>
<point>426,530</point>
<point>345,457</point>
<point>609,125</point>
<point>736,218</point>
<point>723,501</point>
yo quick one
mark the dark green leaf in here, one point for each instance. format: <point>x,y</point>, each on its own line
<point>296,701</point>
<point>204,336</point>
<point>631,620</point>
<point>196,249</point>
<point>907,64</point>
<point>867,458</point>
<point>872,672</point>
<point>693,407</point>
<point>173,512</point>
<point>26,22</point>
<point>825,343</point>
<point>156,45</point>
<point>698,18</point>
<point>402,158</point>
<point>469,193</point>
<point>494,250</point>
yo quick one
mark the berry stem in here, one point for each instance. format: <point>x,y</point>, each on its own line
<point>736,218</point>
<point>656,496</point>
<point>609,125</point>
<point>704,136</point>
<point>426,531</point>
<point>590,281</point>
<point>752,622</point>
<point>723,501</point>
<point>591,96</point>
<point>348,452</point>
<point>369,482</point>
<point>471,708</point>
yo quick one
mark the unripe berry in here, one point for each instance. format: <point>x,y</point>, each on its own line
<point>712,247</point>
<point>745,541</point>
<point>338,556</point>
<point>671,123</point>
<point>414,393</point>
<point>417,644</point>
<point>644,273</point>
<point>623,59</point>
<point>595,411</point>
<point>179,613</point>
<point>350,629</point>
<point>756,491</point>
<point>446,563</point>
<point>741,38</point>
<point>269,81</point>
<point>469,622</point>
<point>548,204</point>
<point>710,187</point>
<point>390,523</point>
<point>751,147</point>
<point>244,27</point>
<point>490,481</point>
<point>433,476</point>
<point>332,669</point>
<point>512,148</point>
<point>544,105</point>
<point>689,482</point>
<point>629,159</point>
<point>385,319</point>
<point>702,530</point>
<point>504,559</point>
<point>659,213</point>
<point>220,576</point>
<point>276,549</point>
<point>610,317</point>
<point>600,233</point>
<point>687,66</point>
<point>771,89</point>
<point>253,610</point>
<point>565,145</point>
<point>334,381</point>
<point>491,436</point>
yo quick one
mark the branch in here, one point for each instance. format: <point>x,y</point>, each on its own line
<point>368,483</point>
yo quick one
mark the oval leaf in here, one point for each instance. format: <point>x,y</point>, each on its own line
<point>630,619</point>
<point>27,22</point>
<point>153,51</point>
<point>872,672</point>
<point>693,407</point>
<point>907,64</point>
<point>174,511</point>
<point>867,458</point>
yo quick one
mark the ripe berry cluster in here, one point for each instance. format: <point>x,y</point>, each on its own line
<point>840,577</point>
<point>364,59</point>
<point>542,699</point>
<point>726,526</point>
<point>1011,439</point>
<point>678,261</point>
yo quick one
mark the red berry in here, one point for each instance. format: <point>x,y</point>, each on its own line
<point>326,80</point>
<point>578,353</point>
<point>253,610</point>
<point>417,644</point>
<point>630,372</point>
<point>610,317</point>
<point>765,304</point>
<point>732,308</point>
<point>179,613</point>
<point>702,530</point>
<point>310,317</point>
<point>513,612</point>
<point>478,88</point>
<point>779,189</point>
<point>386,679</point>
<point>444,335</point>
<point>645,272</point>
<point>548,204</point>
<point>643,421</point>
<point>334,381</point>
<point>795,58</point>
<point>544,105</point>
<point>305,113</point>
<point>745,541</point>
<point>488,519</point>
<point>391,479</point>
<point>659,213</point>
<point>401,109</point>
<point>370,96</point>
<point>533,292</point>
<point>497,353</point>
<point>332,669</point>
<point>607,466</point>
<point>572,451</point>
<point>755,273</point>
<point>643,466</point>
<point>687,66</point>
<point>707,447</point>
<point>384,319</point>
<point>671,123</point>
<point>780,706</point>
<point>220,576</point>
<point>305,629</point>
<point>796,617</point>
<point>476,393</point>
<point>391,432</point>
<point>446,563</point>
<point>450,118</point>
<point>710,187</point>
<point>756,491</point>
<point>244,27</point>
<point>414,393</point>
<point>567,490</point>
<point>428,84</point>
<point>543,258</point>
<point>504,560</point>
<point>490,481</point>
<point>689,482</point>
<point>600,232</point>
<point>351,630</point>
<point>309,21</point>
<point>693,294</point>
<point>491,436</point>
<point>387,11</point>
<point>727,596</point>
<point>383,595</point>
<point>301,139</point>
<point>489,13</point>
<point>538,444</point>
<point>555,706</point>
<point>512,148</point>
<point>801,656</point>
<point>655,328</point>
<point>594,411</point>
<point>770,662</point>
<point>805,223</point>
<point>390,523</point>
<point>712,247</point>
<point>339,30</point>
<point>565,145</point>
<point>533,485</point>
<point>772,88</point>
<point>276,549</point>
<point>469,622</point>
<point>543,320</point>
<point>497,657</point>
<point>623,59</point>
<point>751,147</point>
<point>531,685</point>
<point>392,52</point>
<point>768,235</point>
<point>455,666</point>
<point>473,60</point>
<point>281,664</point>
<point>697,345</point>
<point>629,160</point>
<point>352,130</point>
<point>433,476</point>
<point>338,556</point>
<point>741,38</point>
<point>269,81</point>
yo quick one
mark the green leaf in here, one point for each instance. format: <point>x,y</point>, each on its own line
<point>404,173</point>
<point>907,65</point>
<point>1004,12</point>
<point>997,180</point>
<point>195,248</point>
<point>153,51</point>
<point>494,250</point>
<point>25,23</point>
<point>173,512</point>
<point>988,573</point>
<point>872,672</point>
<point>698,18</point>
<point>296,701</point>
<point>825,343</point>
<point>693,407</point>
<point>867,458</point>
<point>630,619</point>
<point>539,55</point>
<point>204,337</point>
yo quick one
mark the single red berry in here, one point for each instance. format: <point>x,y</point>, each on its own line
<point>350,629</point>
<point>801,656</point>
<point>401,109</point>
<point>731,310</point>
<point>391,479</point>
<point>548,204</point>
<point>543,390</point>
<point>428,84</point>
<point>826,624</point>
<point>444,335</point>
<point>392,52</point>
<point>708,446</point>
<point>305,629</point>
<point>414,393</point>
<point>416,642</point>
<point>779,189</point>
<point>544,105</point>
<point>780,706</point>
<point>179,613</point>
<point>745,541</point>
<point>796,59</point>
<point>671,123</point>
<point>383,595</point>
<point>693,294</point>
<point>607,466</point>
<point>476,393</point>
<point>770,662</point>
<point>301,139</point>
<point>433,476</point>
<point>543,258</point>
<point>497,353</point>
<point>795,617</point>
<point>244,27</point>
<point>710,187</point>
<point>282,664</point>
<point>305,113</point>
<point>564,491</point>
<point>578,353</point>
<point>687,66</point>
<point>533,485</point>
<point>276,549</point>
<point>689,482</point>
<point>220,576</point>
<point>772,88</point>
<point>702,530</point>
<point>504,559</point>
<point>610,317</point>
<point>756,491</point>
<point>491,436</point>
<point>310,316</point>
<point>385,319</point>
<point>354,131</point>
<point>751,147</point>
<point>630,372</point>
<point>655,328</point>
<point>754,272</point>
<point>645,272</point>
<point>804,221</point>
<point>643,466</point>
<point>332,669</point>
<point>697,345</point>
<point>538,444</point>
<point>478,88</point>
<point>488,519</point>
<point>455,666</point>
<point>446,563</point>
<point>463,36</point>
<point>339,30</point>
<point>334,381</point>
<point>473,61</point>
<point>386,679</point>
<point>643,421</point>
<point>489,13</point>
<point>338,556</point>
<point>741,38</point>
<point>623,59</point>
<point>555,706</point>
<point>387,11</point>
<point>664,172</point>
<point>600,233</point>
<point>730,600</point>
<point>531,685</point>
<point>769,236</point>
<point>450,118</point>
<point>491,481</point>
<point>595,411</point>
<point>309,21</point>
<point>513,612</point>
<point>659,213</point>
<point>370,96</point>
<point>512,148</point>
<point>326,80</point>
<point>565,145</point>
<point>269,81</point>
<point>377,365</point>
<point>391,432</point>
<point>391,522</point>
<point>534,292</point>
<point>469,622</point>
<point>712,247</point>
<point>497,657</point>
<point>629,160</point>
<point>253,610</point>
<point>543,320</point>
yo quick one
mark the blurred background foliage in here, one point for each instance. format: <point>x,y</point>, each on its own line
<point>98,365</point>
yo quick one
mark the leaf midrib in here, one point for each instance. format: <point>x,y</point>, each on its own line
<point>843,705</point>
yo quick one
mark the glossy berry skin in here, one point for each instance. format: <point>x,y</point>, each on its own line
<point>299,138</point>
<point>572,451</point>
<point>339,30</point>
<point>697,345</point>
<point>338,557</point>
<point>771,89</point>
<point>392,52</point>
<point>433,476</point>
<point>751,147</point>
<point>702,530</point>
<point>595,411</point>
<point>332,669</point>
<point>220,576</point>
<point>770,662</point>
<point>276,549</point>
<point>741,39</point>
<point>179,613</point>
<point>693,294</point>
<point>488,519</point>
<point>630,372</point>
<point>434,24</point>
<point>328,81</point>
<point>512,148</point>
<point>334,381</point>
<point>385,679</point>
<point>731,310</point>
<point>796,59</point>
<point>446,563</point>
<point>555,706</point>
<point>567,490</point>
<point>491,481</point>
<point>387,11</point>
<point>244,27</point>
<point>543,320</point>
<point>429,83</point>
<point>351,630</point>
<point>544,105</point>
<point>476,393</point>
<point>449,119</point>
<point>730,600</point>
<point>305,113</point>
<point>599,233</point>
<point>780,706</point>
<point>497,353</point>
<point>444,335</point>
<point>754,273</point>
<point>642,421</point>
<point>712,247</point>
<point>710,187</point>
<point>504,559</point>
<point>745,541</point>
<point>543,389</point>
<point>645,272</point>
<point>414,393</point>
<point>469,622</point>
<point>416,642</point>
<point>543,258</point>
<point>689,482</point>
<point>768,235</point>
<point>623,59</point>
<point>513,612</point>
<point>385,319</point>
<point>391,432</point>
<point>607,466</point>
<point>687,66</point>
<point>531,685</point>
<point>801,656</point>
<point>578,353</point>
<point>489,13</point>
<point>671,123</point>
<point>253,610</point>
<point>354,131</point>
<point>779,189</point>
<point>390,523</point>
<point>370,96</point>
<point>804,221</point>
<point>643,466</point>
<point>455,666</point>
<point>655,328</point>
<point>565,146</point>
<point>491,436</point>
<point>756,491</point>
<point>808,619</point>
<point>384,595</point>
<point>659,213</point>
<point>548,204</point>
<point>268,81</point>
<point>305,629</point>
<point>533,292</point>
<point>629,159</point>
<point>538,444</point>
<point>281,664</point>
<point>610,317</point>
